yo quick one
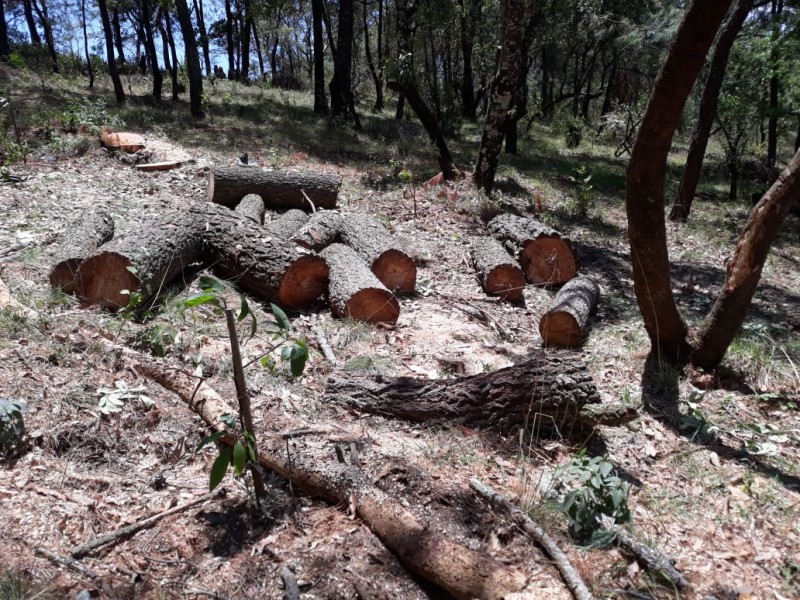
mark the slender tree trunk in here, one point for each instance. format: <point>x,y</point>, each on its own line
<point>376,78</point>
<point>27,6</point>
<point>379,101</point>
<point>341,94</point>
<point>744,268</point>
<point>608,99</point>
<point>327,20</point>
<point>244,75</point>
<point>647,169</point>
<point>468,19</point>
<point>119,92</point>
<point>150,48</point>
<point>229,40</point>
<point>85,44</point>
<point>320,99</point>
<point>5,46</point>
<point>260,55</point>
<point>47,27</point>
<point>201,27</point>
<point>504,89</point>
<point>708,108</point>
<point>774,87</point>
<point>117,29</point>
<point>173,52</point>
<point>168,49</point>
<point>546,102</point>
<point>192,59</point>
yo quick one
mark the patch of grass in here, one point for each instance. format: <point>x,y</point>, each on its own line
<point>14,586</point>
<point>766,355</point>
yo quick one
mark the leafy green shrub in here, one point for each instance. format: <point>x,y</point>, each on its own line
<point>584,190</point>
<point>12,424</point>
<point>88,113</point>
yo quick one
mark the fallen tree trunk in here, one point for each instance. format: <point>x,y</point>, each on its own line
<point>566,321</point>
<point>285,225</point>
<point>320,231</point>
<point>279,189</point>
<point>268,267</point>
<point>549,389</point>
<point>251,207</point>
<point>135,267</point>
<point>498,273</point>
<point>376,246</point>
<point>93,228</point>
<point>544,254</point>
<point>354,291</point>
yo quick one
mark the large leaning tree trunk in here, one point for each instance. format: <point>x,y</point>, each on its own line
<point>647,169</point>
<point>108,34</point>
<point>708,109</point>
<point>504,89</point>
<point>192,59</point>
<point>744,268</point>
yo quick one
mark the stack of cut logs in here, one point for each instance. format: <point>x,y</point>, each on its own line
<point>289,261</point>
<point>542,256</point>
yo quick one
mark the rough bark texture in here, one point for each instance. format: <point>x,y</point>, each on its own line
<point>504,89</point>
<point>320,99</point>
<point>140,262</point>
<point>287,224</point>
<point>265,266</point>
<point>340,86</point>
<point>391,265</point>
<point>320,231</point>
<point>93,228</point>
<point>544,254</point>
<point>647,169</point>
<point>119,91</point>
<point>566,322</point>
<point>546,391</point>
<point>708,109</point>
<point>279,189</point>
<point>498,273</point>
<point>354,291</point>
<point>251,207</point>
<point>192,57</point>
<point>744,268</point>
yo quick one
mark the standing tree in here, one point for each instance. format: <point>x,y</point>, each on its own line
<point>119,92</point>
<point>192,59</point>
<point>47,27</point>
<point>342,102</point>
<point>201,26</point>
<point>146,15</point>
<point>5,46</point>
<point>27,8</point>
<point>320,99</point>
<point>85,44</point>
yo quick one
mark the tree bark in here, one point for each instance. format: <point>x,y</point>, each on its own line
<point>646,171</point>
<point>287,224</point>
<point>251,207</point>
<point>708,109</point>
<point>27,7</point>
<point>566,322</point>
<point>504,89</point>
<point>5,45</point>
<point>47,27</point>
<point>119,92</point>
<point>544,254</point>
<point>93,228</point>
<point>89,67</point>
<point>546,391</point>
<point>228,185</point>
<point>498,273</point>
<point>150,48</point>
<point>192,59</point>
<point>170,62</point>
<point>774,86</point>
<point>321,230</point>
<point>744,268</point>
<point>201,28</point>
<point>117,30</point>
<point>320,99</point>
<point>340,86</point>
<point>229,40</point>
<point>375,73</point>
<point>468,19</point>
<point>355,293</point>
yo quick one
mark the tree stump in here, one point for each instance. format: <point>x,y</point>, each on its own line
<point>266,266</point>
<point>93,228</point>
<point>279,189</point>
<point>498,273</point>
<point>285,225</point>
<point>544,254</point>
<point>139,264</point>
<point>376,246</point>
<point>320,231</point>
<point>354,291</point>
<point>252,207</point>
<point>546,391</point>
<point>565,323</point>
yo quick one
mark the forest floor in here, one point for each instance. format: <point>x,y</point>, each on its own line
<point>713,460</point>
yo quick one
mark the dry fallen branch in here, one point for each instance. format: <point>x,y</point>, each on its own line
<point>66,561</point>
<point>291,591</point>
<point>327,351</point>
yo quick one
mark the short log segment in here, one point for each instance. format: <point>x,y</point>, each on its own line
<point>142,262</point>
<point>263,265</point>
<point>544,254</point>
<point>566,322</point>
<point>376,247</point>
<point>252,207</point>
<point>320,231</point>
<point>287,224</point>
<point>546,391</point>
<point>354,291</point>
<point>498,273</point>
<point>93,228</point>
<point>279,189</point>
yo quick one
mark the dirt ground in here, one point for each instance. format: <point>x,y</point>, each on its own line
<point>719,492</point>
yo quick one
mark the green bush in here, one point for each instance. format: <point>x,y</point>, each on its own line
<point>12,424</point>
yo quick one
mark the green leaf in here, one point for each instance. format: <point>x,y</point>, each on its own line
<point>209,440</point>
<point>297,355</point>
<point>210,284</point>
<point>228,420</point>
<point>219,468</point>
<point>281,319</point>
<point>239,458</point>
<point>244,311</point>
<point>202,298</point>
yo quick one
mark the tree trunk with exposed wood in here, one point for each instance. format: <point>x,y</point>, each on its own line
<point>566,322</point>
<point>278,189</point>
<point>93,228</point>
<point>498,273</point>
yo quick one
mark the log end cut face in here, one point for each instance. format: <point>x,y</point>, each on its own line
<point>396,270</point>
<point>560,329</point>
<point>506,281</point>
<point>304,282</point>
<point>64,276</point>
<point>548,261</point>
<point>107,280</point>
<point>373,305</point>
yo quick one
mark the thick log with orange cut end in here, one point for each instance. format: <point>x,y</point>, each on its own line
<point>566,322</point>
<point>498,273</point>
<point>279,189</point>
<point>354,291</point>
<point>545,255</point>
<point>82,236</point>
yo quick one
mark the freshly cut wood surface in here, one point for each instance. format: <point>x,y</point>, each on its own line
<point>545,255</point>
<point>390,263</point>
<point>566,321</point>
<point>498,273</point>
<point>284,226</point>
<point>320,231</point>
<point>125,141</point>
<point>279,189</point>
<point>166,165</point>
<point>82,236</point>
<point>251,207</point>
<point>354,291</point>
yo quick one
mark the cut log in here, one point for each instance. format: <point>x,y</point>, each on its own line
<point>93,228</point>
<point>266,266</point>
<point>164,165</point>
<point>548,390</point>
<point>127,142</point>
<point>285,225</point>
<point>139,264</point>
<point>354,291</point>
<point>252,207</point>
<point>279,189</point>
<point>566,322</point>
<point>544,254</point>
<point>320,231</point>
<point>376,247</point>
<point>498,273</point>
